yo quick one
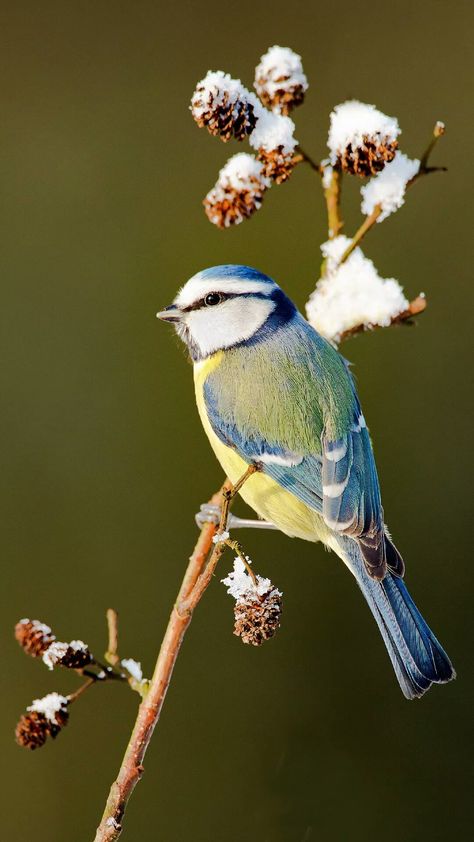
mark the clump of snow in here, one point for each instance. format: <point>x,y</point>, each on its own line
<point>55,653</point>
<point>219,88</point>
<point>242,172</point>
<point>79,646</point>
<point>49,705</point>
<point>352,294</point>
<point>221,537</point>
<point>327,173</point>
<point>280,69</point>
<point>274,131</point>
<point>238,191</point>
<point>58,650</point>
<point>36,626</point>
<point>133,667</point>
<point>241,586</point>
<point>353,122</point>
<point>388,187</point>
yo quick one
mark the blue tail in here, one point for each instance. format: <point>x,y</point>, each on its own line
<point>418,658</point>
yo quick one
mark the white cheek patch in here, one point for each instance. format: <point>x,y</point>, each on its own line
<point>228,323</point>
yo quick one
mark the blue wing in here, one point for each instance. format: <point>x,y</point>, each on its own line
<point>339,482</point>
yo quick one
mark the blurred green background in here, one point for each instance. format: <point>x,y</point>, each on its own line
<point>104,461</point>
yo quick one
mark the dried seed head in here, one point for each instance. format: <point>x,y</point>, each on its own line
<point>34,637</point>
<point>369,158</point>
<point>45,718</point>
<point>361,138</point>
<point>277,164</point>
<point>279,79</point>
<point>238,192</point>
<point>32,730</point>
<point>258,605</point>
<point>259,619</point>
<point>74,655</point>
<point>275,142</point>
<point>224,106</point>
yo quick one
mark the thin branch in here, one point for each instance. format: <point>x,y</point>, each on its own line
<point>195,582</point>
<point>82,689</point>
<point>237,547</point>
<point>424,169</point>
<point>111,656</point>
<point>332,194</point>
<point>417,306</point>
<point>303,156</point>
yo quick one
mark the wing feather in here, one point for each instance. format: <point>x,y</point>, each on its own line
<point>309,435</point>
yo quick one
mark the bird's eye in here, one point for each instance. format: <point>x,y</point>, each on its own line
<point>212,299</point>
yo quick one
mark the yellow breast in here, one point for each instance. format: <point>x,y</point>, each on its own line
<point>268,499</point>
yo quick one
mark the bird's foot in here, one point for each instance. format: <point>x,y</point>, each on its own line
<point>212,514</point>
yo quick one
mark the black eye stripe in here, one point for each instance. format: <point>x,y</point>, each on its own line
<point>202,301</point>
<point>224,296</point>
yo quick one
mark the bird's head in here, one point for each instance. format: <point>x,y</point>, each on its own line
<point>226,306</point>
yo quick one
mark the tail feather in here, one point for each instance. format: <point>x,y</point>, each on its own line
<point>418,658</point>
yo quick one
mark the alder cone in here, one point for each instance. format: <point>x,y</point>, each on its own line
<point>34,637</point>
<point>259,619</point>
<point>277,164</point>
<point>227,119</point>
<point>369,158</point>
<point>34,728</point>
<point>282,99</point>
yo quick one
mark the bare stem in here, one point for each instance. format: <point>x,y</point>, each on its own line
<point>82,689</point>
<point>332,194</point>
<point>111,656</point>
<point>195,582</point>
<point>303,156</point>
<point>238,548</point>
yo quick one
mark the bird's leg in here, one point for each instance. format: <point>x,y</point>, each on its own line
<point>211,514</point>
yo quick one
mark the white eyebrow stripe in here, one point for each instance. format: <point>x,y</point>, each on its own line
<point>197,288</point>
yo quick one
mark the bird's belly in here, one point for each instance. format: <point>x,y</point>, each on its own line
<point>268,499</point>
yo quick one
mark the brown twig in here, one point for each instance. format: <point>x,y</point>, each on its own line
<point>417,306</point>
<point>112,656</point>
<point>424,169</point>
<point>303,156</point>
<point>196,579</point>
<point>332,194</point>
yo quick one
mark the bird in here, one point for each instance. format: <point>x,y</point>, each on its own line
<point>273,393</point>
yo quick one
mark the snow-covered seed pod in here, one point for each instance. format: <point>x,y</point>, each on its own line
<point>74,655</point>
<point>258,620</point>
<point>238,192</point>
<point>34,637</point>
<point>258,605</point>
<point>361,139</point>
<point>45,718</point>
<point>280,80</point>
<point>275,143</point>
<point>224,106</point>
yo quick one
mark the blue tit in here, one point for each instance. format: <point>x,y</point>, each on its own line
<point>272,392</point>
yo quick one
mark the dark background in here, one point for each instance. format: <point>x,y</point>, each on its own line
<point>104,462</point>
